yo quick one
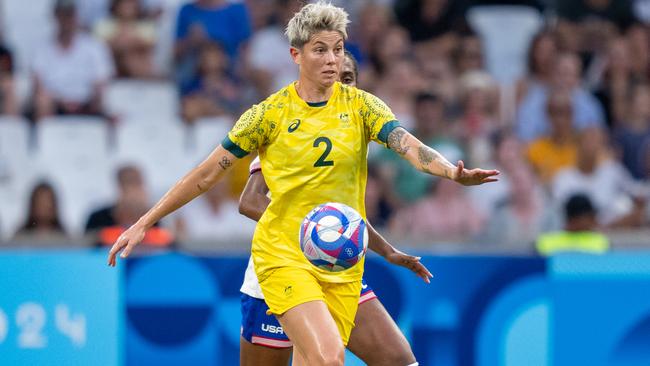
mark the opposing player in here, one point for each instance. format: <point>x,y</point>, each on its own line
<point>312,137</point>
<point>375,338</point>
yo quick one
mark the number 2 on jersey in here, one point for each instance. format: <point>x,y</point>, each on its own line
<point>328,148</point>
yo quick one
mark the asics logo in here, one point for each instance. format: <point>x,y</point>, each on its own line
<point>294,125</point>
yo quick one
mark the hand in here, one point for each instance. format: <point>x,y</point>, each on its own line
<point>474,177</point>
<point>408,261</point>
<point>127,241</point>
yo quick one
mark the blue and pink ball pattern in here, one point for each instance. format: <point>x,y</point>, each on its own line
<point>334,237</point>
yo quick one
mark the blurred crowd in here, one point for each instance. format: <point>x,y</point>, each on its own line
<point>554,94</point>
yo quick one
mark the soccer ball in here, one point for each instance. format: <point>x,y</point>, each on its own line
<point>334,237</point>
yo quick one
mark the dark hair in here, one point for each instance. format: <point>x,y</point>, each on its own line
<point>355,64</point>
<point>31,215</point>
<point>578,205</point>
<point>530,55</point>
<point>141,11</point>
<point>426,97</point>
<point>123,174</point>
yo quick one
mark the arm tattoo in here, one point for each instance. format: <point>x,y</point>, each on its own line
<point>427,155</point>
<point>225,163</point>
<point>396,141</point>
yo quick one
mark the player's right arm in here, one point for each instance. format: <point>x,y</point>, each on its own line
<point>193,184</point>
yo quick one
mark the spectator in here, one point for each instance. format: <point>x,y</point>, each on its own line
<point>437,74</point>
<point>557,150</point>
<point>445,214</point>
<point>204,21</point>
<point>395,47</point>
<point>522,215</point>
<point>590,13</point>
<point>614,82</point>
<point>131,203</point>
<point>579,233</point>
<point>212,92</point>
<point>8,102</point>
<point>507,157</point>
<point>132,38</point>
<point>631,135</point>
<point>587,25</point>
<point>532,121</point>
<point>398,87</point>
<point>431,19</point>
<point>540,62</point>
<point>639,50</point>
<point>469,54</point>
<point>214,217</point>
<point>479,103</point>
<point>43,221</point>
<point>619,199</point>
<point>71,70</point>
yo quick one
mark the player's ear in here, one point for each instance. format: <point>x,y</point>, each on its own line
<point>295,55</point>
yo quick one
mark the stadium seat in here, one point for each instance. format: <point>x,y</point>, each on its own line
<point>159,152</point>
<point>73,154</point>
<point>206,134</point>
<point>150,102</point>
<point>506,32</point>
<point>23,88</point>
<point>14,137</point>
<point>26,27</point>
<point>15,173</point>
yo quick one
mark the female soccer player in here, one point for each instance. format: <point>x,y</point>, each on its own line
<point>312,137</point>
<point>375,338</point>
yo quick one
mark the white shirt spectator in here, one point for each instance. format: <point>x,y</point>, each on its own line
<point>610,187</point>
<point>71,74</point>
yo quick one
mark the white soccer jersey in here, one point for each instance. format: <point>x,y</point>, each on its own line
<point>251,285</point>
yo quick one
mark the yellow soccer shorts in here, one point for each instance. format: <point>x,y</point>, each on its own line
<point>287,287</point>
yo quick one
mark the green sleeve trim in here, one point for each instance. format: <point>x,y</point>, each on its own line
<point>386,129</point>
<point>233,148</point>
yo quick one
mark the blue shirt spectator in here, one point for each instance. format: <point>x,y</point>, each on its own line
<point>532,120</point>
<point>228,24</point>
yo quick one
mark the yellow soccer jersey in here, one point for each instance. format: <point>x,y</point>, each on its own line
<point>311,153</point>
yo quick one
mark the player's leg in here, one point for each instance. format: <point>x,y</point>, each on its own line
<point>314,334</point>
<point>376,339</point>
<point>262,340</point>
<point>317,317</point>
<point>254,355</point>
<point>374,326</point>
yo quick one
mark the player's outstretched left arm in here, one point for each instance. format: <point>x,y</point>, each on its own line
<point>428,160</point>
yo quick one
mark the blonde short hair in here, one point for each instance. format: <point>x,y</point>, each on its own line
<point>313,18</point>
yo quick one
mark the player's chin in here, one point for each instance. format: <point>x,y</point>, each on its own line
<point>328,81</point>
